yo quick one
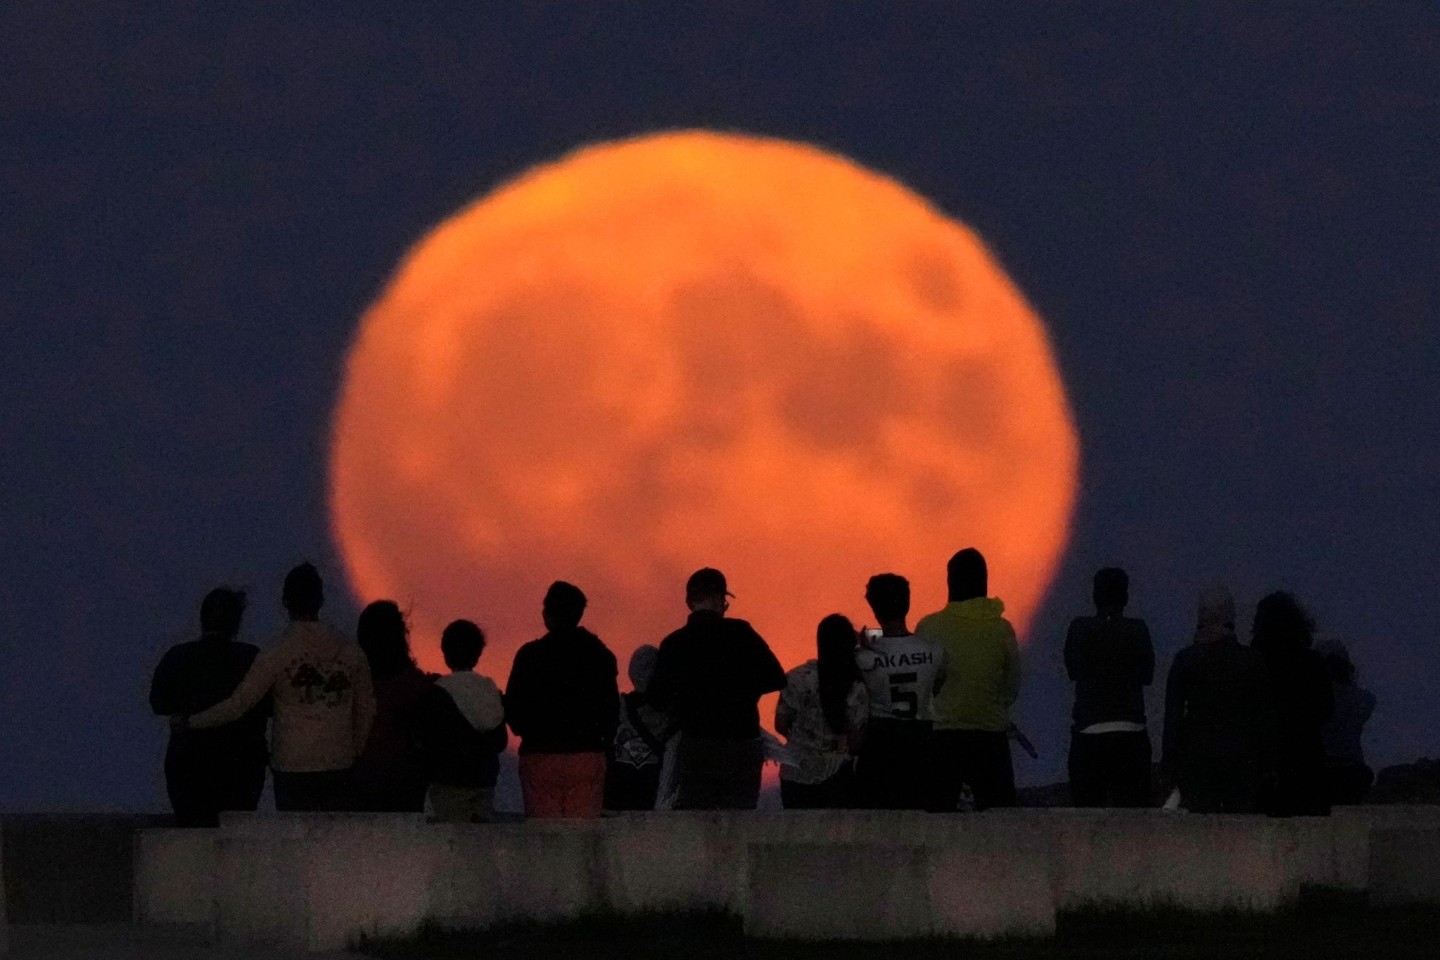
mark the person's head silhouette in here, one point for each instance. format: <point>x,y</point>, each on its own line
<point>384,636</point>
<point>221,612</point>
<point>304,592</point>
<point>706,590</point>
<point>1281,625</point>
<point>563,607</point>
<point>835,639</point>
<point>889,597</point>
<point>461,643</point>
<point>642,666</point>
<point>966,575</point>
<point>1112,591</point>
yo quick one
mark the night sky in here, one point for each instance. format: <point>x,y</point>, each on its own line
<point>1226,216</point>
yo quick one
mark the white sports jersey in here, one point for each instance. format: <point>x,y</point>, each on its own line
<point>900,674</point>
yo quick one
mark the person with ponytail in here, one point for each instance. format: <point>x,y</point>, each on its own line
<point>822,713</point>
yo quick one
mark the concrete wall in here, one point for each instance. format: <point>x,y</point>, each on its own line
<point>315,881</point>
<point>1405,865</point>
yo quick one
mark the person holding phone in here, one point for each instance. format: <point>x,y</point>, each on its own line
<point>902,673</point>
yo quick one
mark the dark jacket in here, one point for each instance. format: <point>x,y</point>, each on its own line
<point>1112,661</point>
<point>710,676</point>
<point>455,753</point>
<point>1218,713</point>
<point>562,696</point>
<point>195,676</point>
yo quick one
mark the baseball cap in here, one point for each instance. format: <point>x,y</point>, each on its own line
<point>707,582</point>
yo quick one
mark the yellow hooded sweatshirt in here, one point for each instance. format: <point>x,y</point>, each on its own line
<point>983,677</point>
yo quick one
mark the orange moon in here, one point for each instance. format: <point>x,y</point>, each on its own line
<point>693,349</point>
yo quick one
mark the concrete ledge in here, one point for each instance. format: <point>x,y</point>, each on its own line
<point>175,876</point>
<point>315,881</point>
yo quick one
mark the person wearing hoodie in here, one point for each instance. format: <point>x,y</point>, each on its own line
<point>971,740</point>
<point>1284,635</point>
<point>322,698</point>
<point>1111,660</point>
<point>632,781</point>
<point>462,731</point>
<point>562,700</point>
<point>1218,742</point>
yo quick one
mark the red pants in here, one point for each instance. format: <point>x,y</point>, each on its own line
<point>562,784</point>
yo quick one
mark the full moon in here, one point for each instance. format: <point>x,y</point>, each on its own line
<point>696,349</point>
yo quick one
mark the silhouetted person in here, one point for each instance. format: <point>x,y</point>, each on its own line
<point>562,701</point>
<point>1111,660</point>
<point>1218,742</point>
<point>462,730</point>
<point>971,742</point>
<point>709,679</point>
<point>1283,635</point>
<point>632,781</point>
<point>390,771</point>
<point>319,685</point>
<point>1348,775</point>
<point>207,771</point>
<point>822,715</point>
<point>902,673</point>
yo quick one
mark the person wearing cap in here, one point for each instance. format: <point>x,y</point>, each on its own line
<point>562,700</point>
<point>709,678</point>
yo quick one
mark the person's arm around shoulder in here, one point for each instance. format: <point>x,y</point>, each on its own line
<point>257,683</point>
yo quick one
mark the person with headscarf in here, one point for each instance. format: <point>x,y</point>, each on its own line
<point>1283,635</point>
<point>1218,742</point>
<point>632,781</point>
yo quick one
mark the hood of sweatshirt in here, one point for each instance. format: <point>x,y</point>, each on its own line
<point>477,697</point>
<point>979,608</point>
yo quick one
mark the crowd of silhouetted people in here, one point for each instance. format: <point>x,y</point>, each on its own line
<point>882,718</point>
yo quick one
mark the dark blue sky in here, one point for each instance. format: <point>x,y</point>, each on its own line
<point>1227,216</point>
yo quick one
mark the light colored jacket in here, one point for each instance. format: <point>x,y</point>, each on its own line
<point>983,671</point>
<point>322,696</point>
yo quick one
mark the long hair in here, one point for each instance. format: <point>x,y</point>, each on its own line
<point>385,638</point>
<point>835,646</point>
<point>1282,627</point>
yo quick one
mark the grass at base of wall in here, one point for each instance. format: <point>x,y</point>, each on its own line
<point>1321,925</point>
